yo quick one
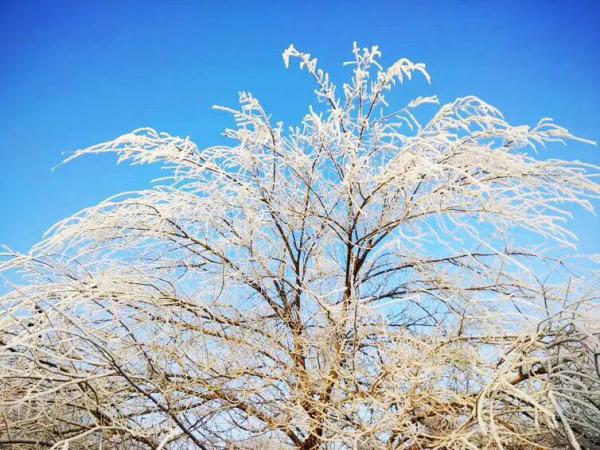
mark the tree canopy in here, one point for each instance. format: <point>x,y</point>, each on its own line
<point>379,276</point>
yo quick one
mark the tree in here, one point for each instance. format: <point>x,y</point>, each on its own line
<point>369,279</point>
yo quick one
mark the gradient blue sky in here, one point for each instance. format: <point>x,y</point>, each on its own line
<point>77,73</point>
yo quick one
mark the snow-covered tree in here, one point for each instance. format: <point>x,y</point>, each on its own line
<point>375,277</point>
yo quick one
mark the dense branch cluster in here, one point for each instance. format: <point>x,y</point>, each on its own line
<point>373,278</point>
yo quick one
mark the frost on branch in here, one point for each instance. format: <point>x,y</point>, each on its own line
<point>377,277</point>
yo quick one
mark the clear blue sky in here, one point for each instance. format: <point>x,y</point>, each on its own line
<point>76,73</point>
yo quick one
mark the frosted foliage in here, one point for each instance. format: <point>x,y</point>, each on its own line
<point>376,277</point>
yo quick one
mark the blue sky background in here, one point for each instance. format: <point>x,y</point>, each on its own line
<point>77,73</point>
